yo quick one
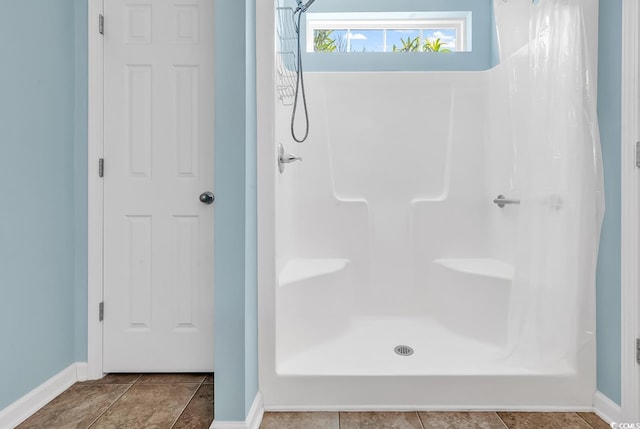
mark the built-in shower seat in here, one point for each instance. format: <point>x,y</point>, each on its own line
<point>472,289</point>
<point>313,302</point>
<point>300,269</point>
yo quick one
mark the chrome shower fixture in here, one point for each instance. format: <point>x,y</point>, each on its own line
<point>285,158</point>
<point>303,7</point>
<point>297,19</point>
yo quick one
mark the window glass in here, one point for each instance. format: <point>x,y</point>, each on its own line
<point>392,32</point>
<point>366,40</point>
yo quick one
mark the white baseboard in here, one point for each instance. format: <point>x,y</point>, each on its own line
<point>254,418</point>
<point>82,371</point>
<point>606,409</point>
<point>24,407</point>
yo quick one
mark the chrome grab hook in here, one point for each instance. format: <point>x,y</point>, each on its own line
<point>285,158</point>
<point>502,201</point>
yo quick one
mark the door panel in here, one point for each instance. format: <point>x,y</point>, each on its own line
<point>158,149</point>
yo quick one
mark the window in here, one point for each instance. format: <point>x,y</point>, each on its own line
<point>389,32</point>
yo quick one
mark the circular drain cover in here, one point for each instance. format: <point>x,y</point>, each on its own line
<point>403,350</point>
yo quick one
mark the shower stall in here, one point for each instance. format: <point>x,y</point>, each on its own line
<point>436,246</point>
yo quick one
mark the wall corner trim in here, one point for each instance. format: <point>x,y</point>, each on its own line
<point>254,418</point>
<point>95,189</point>
<point>26,406</point>
<point>606,409</point>
<point>630,297</point>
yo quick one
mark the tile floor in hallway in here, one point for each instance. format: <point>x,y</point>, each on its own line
<point>131,401</point>
<point>433,420</point>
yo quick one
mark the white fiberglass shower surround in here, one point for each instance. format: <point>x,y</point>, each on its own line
<point>387,234</point>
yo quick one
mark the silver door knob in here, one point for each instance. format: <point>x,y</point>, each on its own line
<point>207,197</point>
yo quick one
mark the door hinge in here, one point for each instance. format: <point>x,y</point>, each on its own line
<point>638,350</point>
<point>101,311</point>
<point>101,24</point>
<point>637,154</point>
<point>101,167</point>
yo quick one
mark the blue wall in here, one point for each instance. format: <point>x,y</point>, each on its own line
<point>481,58</point>
<point>37,187</point>
<point>236,341</point>
<point>608,277</point>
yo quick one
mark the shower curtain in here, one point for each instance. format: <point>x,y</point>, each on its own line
<point>560,184</point>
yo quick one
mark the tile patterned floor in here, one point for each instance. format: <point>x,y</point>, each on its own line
<point>432,420</point>
<point>131,401</point>
<point>185,401</point>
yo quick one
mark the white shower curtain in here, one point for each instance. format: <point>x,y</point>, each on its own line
<point>560,183</point>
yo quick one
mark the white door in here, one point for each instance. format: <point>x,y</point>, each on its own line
<point>158,151</point>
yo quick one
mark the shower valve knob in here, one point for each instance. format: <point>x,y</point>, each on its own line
<point>288,158</point>
<point>285,158</point>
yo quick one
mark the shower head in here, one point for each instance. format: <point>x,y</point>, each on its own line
<point>302,7</point>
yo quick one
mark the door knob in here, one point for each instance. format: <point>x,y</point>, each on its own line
<point>207,197</point>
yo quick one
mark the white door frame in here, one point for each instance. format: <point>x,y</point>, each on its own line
<point>630,373</point>
<point>95,196</point>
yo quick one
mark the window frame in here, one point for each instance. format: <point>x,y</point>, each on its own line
<point>459,21</point>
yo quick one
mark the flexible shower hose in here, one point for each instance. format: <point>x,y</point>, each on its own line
<point>299,88</point>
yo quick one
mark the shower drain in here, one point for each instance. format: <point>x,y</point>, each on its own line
<point>403,350</point>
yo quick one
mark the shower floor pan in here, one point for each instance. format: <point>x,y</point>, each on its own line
<point>367,347</point>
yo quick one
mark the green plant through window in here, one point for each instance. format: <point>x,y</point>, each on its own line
<point>417,45</point>
<point>323,42</point>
